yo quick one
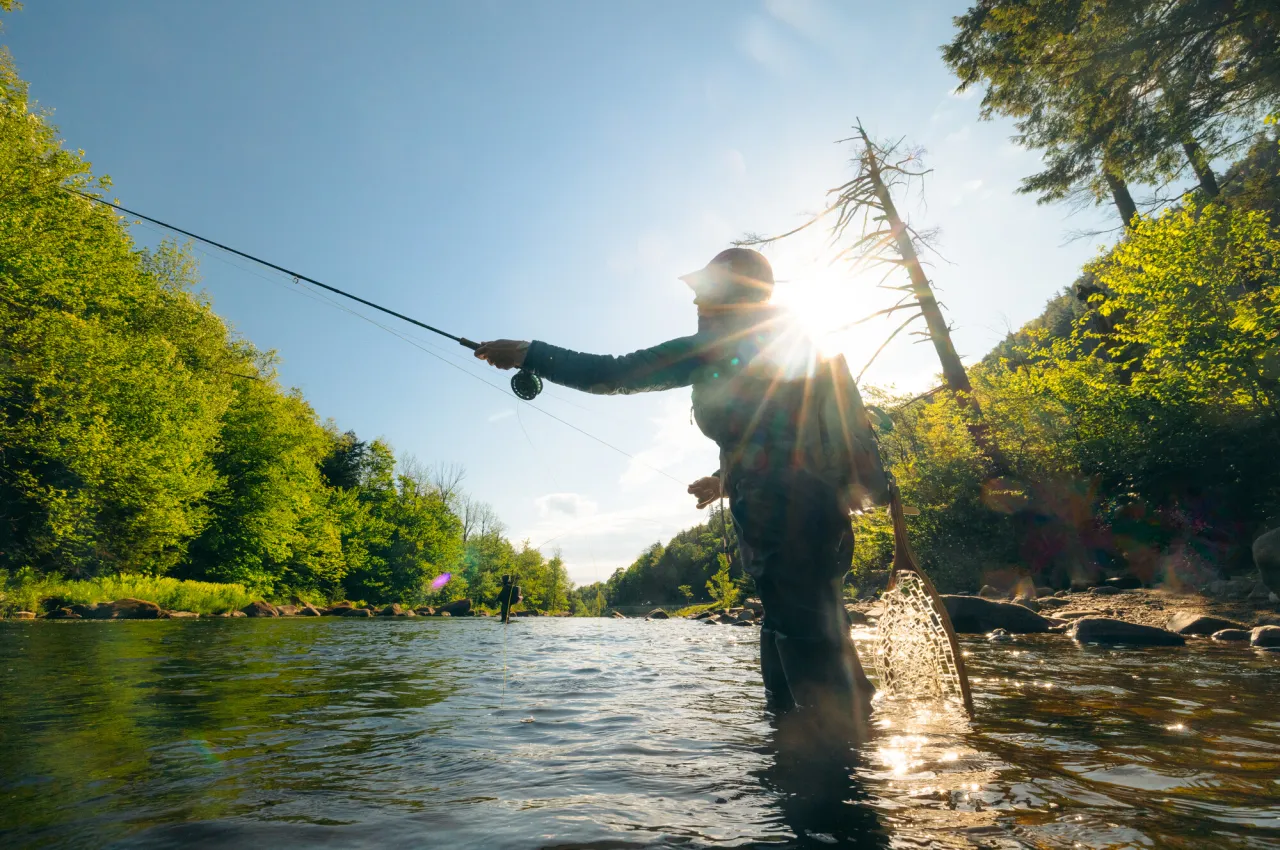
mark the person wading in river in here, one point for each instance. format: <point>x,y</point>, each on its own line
<point>759,391</point>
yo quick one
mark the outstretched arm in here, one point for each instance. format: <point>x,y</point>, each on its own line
<point>662,367</point>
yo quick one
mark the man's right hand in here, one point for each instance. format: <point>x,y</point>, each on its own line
<point>503,353</point>
<point>705,490</point>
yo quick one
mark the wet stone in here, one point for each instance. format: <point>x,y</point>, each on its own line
<point>1192,623</point>
<point>1104,630</point>
<point>1267,637</point>
<point>1230,635</point>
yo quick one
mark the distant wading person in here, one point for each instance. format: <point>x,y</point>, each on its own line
<point>796,455</point>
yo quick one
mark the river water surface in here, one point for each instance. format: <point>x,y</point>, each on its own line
<point>563,733</point>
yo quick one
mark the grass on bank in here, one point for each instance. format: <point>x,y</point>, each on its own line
<point>28,593</point>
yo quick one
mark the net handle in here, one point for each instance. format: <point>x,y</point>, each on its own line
<point>905,559</point>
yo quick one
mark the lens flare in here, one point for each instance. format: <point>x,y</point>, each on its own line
<point>440,580</point>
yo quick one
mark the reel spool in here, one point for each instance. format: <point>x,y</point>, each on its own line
<point>526,385</point>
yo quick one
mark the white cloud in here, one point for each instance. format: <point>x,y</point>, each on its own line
<point>502,414</point>
<point>677,440</point>
<point>565,505</point>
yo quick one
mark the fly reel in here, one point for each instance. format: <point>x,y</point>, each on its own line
<point>526,385</point>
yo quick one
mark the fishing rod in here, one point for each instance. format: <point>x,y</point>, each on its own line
<point>525,385</point>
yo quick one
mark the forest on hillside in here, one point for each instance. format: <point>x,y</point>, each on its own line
<point>140,436</point>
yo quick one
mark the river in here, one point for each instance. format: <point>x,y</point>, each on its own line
<point>595,733</point>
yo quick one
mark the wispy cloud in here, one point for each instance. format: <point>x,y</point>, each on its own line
<point>502,414</point>
<point>565,505</point>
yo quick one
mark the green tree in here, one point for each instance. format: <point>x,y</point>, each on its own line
<point>721,586</point>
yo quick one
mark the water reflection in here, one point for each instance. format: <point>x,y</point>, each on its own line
<point>607,734</point>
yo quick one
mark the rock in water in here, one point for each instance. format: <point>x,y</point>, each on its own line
<point>457,608</point>
<point>989,592</point>
<point>260,609</point>
<point>755,605</point>
<point>1105,630</point>
<point>426,611</point>
<point>183,615</point>
<point>702,615</point>
<point>854,616</point>
<point>999,636</point>
<point>336,609</point>
<point>62,614</point>
<point>1266,554</point>
<point>1227,635</point>
<point>395,609</point>
<point>1267,637</point>
<point>351,612</point>
<point>618,615</point>
<point>658,614</point>
<point>976,616</point>
<point>121,609</point>
<point>288,610</point>
<point>23,615</point>
<point>309,610</point>
<point>1191,623</point>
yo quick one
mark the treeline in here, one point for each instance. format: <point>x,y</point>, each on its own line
<point>1140,414</point>
<point>138,435</point>
<point>686,571</point>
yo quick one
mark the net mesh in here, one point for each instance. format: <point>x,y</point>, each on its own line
<point>913,654</point>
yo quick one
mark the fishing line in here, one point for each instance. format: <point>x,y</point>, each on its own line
<point>525,385</point>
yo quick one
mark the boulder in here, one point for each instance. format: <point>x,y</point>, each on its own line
<point>1191,623</point>
<point>1029,604</point>
<point>1052,602</point>
<point>989,592</point>
<point>395,609</point>
<point>236,614</point>
<point>308,610</point>
<point>1231,635</point>
<point>747,622</point>
<point>618,615</point>
<point>746,616</point>
<point>426,611</point>
<point>854,616</point>
<point>458,608</point>
<point>336,609</point>
<point>1267,620</point>
<point>727,619</point>
<point>288,610</point>
<point>1235,588</point>
<point>351,612</point>
<point>443,614</point>
<point>1124,582</point>
<point>1106,630</point>
<point>1042,592</point>
<point>1260,593</point>
<point>1266,555</point>
<point>999,636</point>
<point>260,609</point>
<point>1104,590</point>
<point>62,614</point>
<point>121,609</point>
<point>1267,637</point>
<point>408,612</point>
<point>182,615</point>
<point>23,615</point>
<point>755,605</point>
<point>702,615</point>
<point>658,614</point>
<point>977,616</point>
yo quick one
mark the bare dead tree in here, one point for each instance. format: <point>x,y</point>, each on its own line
<point>887,240</point>
<point>478,518</point>
<point>447,478</point>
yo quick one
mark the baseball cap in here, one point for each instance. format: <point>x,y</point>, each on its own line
<point>736,268</point>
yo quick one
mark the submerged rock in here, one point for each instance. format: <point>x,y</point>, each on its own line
<point>658,614</point>
<point>975,615</point>
<point>260,609</point>
<point>999,636</point>
<point>1231,635</point>
<point>1106,630</point>
<point>1192,623</point>
<point>1267,637</point>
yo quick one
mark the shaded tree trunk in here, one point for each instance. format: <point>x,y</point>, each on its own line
<point>1200,164</point>
<point>1124,201</point>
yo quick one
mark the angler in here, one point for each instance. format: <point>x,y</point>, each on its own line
<point>797,454</point>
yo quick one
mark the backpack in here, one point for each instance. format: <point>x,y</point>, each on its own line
<point>835,439</point>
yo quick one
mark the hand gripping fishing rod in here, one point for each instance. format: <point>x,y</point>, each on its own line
<point>525,384</point>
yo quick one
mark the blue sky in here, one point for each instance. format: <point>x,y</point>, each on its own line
<point>535,170</point>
